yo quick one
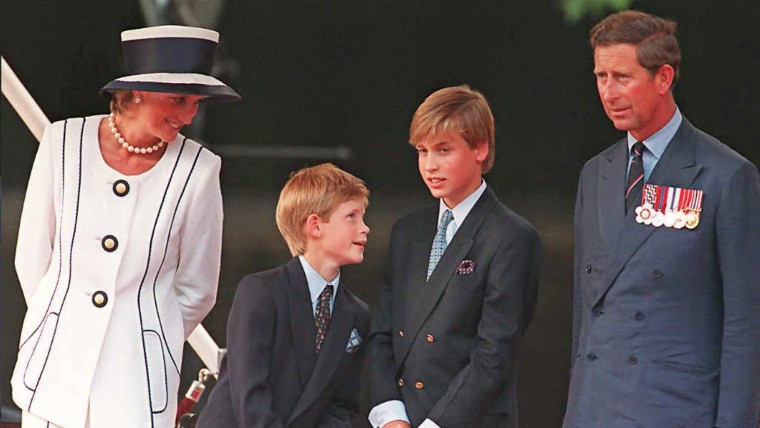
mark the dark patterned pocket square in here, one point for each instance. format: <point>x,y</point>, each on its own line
<point>354,341</point>
<point>466,267</point>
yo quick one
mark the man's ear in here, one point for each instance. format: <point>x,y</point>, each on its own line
<point>481,151</point>
<point>313,223</point>
<point>664,78</point>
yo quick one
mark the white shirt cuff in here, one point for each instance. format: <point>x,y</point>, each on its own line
<point>427,423</point>
<point>393,410</point>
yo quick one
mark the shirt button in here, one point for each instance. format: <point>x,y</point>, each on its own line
<point>419,385</point>
<point>121,188</point>
<point>591,356</point>
<point>99,299</point>
<point>401,333</point>
<point>400,382</point>
<point>638,316</point>
<point>110,243</point>
<point>656,273</point>
<point>632,360</point>
<point>430,338</point>
<point>588,268</point>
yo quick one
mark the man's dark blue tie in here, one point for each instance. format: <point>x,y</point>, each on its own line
<point>635,176</point>
<point>322,316</point>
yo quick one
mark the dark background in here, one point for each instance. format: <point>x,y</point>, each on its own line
<point>350,74</point>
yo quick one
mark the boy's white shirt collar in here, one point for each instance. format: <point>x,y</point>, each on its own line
<point>317,283</point>
<point>460,211</point>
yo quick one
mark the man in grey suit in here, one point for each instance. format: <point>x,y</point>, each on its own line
<point>667,255</point>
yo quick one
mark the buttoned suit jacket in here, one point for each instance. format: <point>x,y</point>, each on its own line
<point>104,329</point>
<point>666,321</point>
<point>448,347</point>
<point>271,375</point>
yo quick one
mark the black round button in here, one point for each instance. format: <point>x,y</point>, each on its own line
<point>588,268</point>
<point>110,243</point>
<point>632,360</point>
<point>596,312</point>
<point>99,299</point>
<point>591,356</point>
<point>656,273</point>
<point>121,188</point>
<point>638,316</point>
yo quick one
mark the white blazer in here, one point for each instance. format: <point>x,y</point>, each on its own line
<point>116,272</point>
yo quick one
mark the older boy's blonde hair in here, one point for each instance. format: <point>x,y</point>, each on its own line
<point>314,190</point>
<point>458,109</point>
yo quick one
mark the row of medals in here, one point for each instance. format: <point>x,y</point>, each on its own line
<point>688,218</point>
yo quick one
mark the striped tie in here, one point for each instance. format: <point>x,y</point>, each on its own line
<point>439,242</point>
<point>635,176</point>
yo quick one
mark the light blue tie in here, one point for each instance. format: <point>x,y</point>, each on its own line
<point>439,242</point>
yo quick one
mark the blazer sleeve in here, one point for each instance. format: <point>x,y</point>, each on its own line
<point>738,246</point>
<point>508,303</point>
<point>381,363</point>
<point>250,333</point>
<point>37,226</point>
<point>197,275</point>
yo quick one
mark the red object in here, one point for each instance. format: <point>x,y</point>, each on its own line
<point>192,397</point>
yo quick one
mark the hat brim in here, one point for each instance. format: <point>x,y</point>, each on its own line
<point>216,94</point>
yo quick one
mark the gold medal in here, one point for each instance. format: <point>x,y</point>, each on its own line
<point>692,219</point>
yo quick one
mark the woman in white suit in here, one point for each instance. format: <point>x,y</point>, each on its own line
<point>119,243</point>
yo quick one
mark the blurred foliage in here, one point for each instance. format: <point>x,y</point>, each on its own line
<point>575,10</point>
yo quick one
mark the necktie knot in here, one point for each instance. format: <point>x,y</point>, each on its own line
<point>439,242</point>
<point>638,149</point>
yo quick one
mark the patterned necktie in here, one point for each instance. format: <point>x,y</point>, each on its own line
<point>322,316</point>
<point>635,176</point>
<point>439,242</point>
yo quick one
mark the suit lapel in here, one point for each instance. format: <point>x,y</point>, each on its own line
<point>421,243</point>
<point>301,320</point>
<point>431,292</point>
<point>611,191</point>
<point>331,354</point>
<point>676,168</point>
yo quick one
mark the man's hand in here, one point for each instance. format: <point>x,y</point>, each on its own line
<point>397,424</point>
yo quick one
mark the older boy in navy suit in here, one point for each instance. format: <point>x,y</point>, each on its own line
<point>295,335</point>
<point>454,302</point>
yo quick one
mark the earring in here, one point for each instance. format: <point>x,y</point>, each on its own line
<point>138,100</point>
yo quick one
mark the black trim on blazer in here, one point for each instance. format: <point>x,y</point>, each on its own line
<point>60,243</point>
<point>166,380</point>
<point>71,252</point>
<point>168,235</point>
<point>142,281</point>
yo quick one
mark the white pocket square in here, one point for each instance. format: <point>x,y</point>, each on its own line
<point>353,341</point>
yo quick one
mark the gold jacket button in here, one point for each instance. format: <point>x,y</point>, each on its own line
<point>419,385</point>
<point>121,188</point>
<point>99,299</point>
<point>110,243</point>
<point>430,338</point>
<point>400,382</point>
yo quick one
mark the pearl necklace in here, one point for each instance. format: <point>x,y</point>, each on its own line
<point>132,149</point>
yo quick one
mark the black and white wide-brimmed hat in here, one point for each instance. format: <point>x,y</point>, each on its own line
<point>173,59</point>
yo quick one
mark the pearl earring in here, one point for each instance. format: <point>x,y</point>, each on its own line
<point>138,100</point>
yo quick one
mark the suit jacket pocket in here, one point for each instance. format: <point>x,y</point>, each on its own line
<point>157,376</point>
<point>36,362</point>
<point>683,367</point>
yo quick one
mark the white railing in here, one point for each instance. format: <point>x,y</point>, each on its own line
<point>31,113</point>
